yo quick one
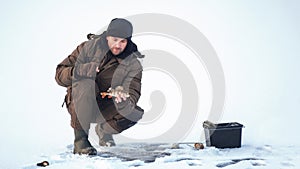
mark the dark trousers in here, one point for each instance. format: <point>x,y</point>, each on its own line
<point>85,109</point>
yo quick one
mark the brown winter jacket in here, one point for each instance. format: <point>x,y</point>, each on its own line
<point>89,55</point>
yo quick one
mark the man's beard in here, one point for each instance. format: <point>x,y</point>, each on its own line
<point>116,51</point>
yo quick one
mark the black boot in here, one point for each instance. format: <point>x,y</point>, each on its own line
<point>105,140</point>
<point>82,144</point>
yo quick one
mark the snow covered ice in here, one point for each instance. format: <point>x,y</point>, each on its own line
<point>186,157</point>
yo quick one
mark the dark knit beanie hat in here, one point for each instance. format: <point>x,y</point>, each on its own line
<point>119,27</point>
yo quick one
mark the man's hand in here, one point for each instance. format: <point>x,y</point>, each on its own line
<point>121,96</point>
<point>118,93</point>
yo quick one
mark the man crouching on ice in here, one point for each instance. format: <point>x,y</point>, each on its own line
<point>103,80</point>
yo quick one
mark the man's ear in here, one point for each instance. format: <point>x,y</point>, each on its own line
<point>107,37</point>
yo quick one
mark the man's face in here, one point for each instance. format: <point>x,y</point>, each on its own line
<point>116,45</point>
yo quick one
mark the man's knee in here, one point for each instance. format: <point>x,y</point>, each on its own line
<point>120,123</point>
<point>84,87</point>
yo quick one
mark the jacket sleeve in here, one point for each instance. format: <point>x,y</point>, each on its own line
<point>131,83</point>
<point>135,87</point>
<point>64,70</point>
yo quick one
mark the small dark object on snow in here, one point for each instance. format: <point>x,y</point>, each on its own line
<point>43,164</point>
<point>198,146</point>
